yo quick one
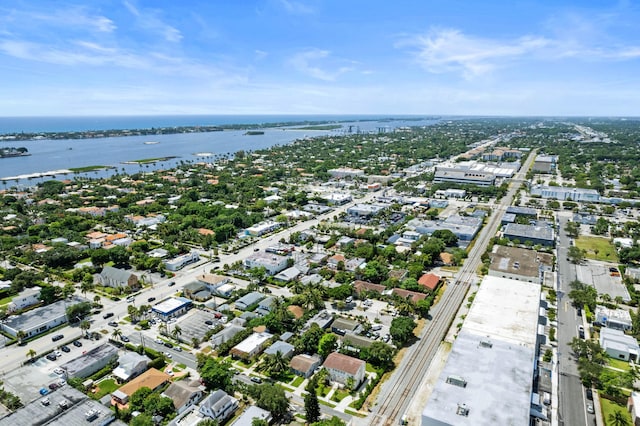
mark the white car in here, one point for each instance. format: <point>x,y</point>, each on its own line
<point>58,353</point>
<point>167,354</point>
<point>58,371</point>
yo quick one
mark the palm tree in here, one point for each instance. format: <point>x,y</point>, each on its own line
<point>85,287</point>
<point>176,332</point>
<point>133,313</point>
<point>618,419</point>
<point>84,326</point>
<point>276,363</point>
<point>21,335</point>
<point>117,333</point>
<point>162,328</point>
<point>31,353</point>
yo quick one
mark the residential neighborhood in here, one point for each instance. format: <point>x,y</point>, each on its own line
<point>339,285</point>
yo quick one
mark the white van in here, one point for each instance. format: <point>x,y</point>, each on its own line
<point>376,327</point>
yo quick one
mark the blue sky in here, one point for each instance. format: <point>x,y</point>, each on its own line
<point>489,57</point>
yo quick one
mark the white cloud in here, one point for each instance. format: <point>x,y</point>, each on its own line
<point>304,62</point>
<point>447,50</point>
<point>149,20</point>
<point>296,7</point>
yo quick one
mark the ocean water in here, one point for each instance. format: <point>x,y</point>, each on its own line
<point>50,156</point>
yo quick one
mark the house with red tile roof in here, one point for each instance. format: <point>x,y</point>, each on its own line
<point>407,294</point>
<point>429,281</point>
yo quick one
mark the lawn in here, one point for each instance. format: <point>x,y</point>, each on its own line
<point>610,407</point>
<point>597,248</point>
<point>105,387</point>
<point>297,381</point>
<point>6,300</point>
<point>617,363</point>
<point>339,395</point>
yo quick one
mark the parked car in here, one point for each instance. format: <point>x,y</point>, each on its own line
<point>65,348</point>
<point>167,344</point>
<point>77,343</point>
<point>52,356</point>
<point>208,322</point>
<point>151,299</point>
<point>124,338</point>
<point>167,354</point>
<point>590,409</point>
<point>113,323</point>
<point>57,337</point>
<point>255,379</point>
<point>57,353</point>
<point>107,315</point>
<point>177,349</point>
<point>589,394</point>
<point>59,371</point>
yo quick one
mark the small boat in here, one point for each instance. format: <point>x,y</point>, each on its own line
<point>151,143</point>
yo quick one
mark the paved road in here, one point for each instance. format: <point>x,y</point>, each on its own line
<point>397,393</point>
<point>571,394</point>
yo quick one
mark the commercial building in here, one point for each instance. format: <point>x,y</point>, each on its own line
<point>345,172</point>
<point>523,211</point>
<point>618,319</point>
<point>565,194</point>
<point>488,376</point>
<point>90,362</point>
<point>336,198</point>
<point>272,262</point>
<point>463,177</point>
<point>545,163</point>
<point>519,264</point>
<point>251,346</point>
<point>366,210</point>
<point>66,406</point>
<point>619,345</point>
<point>38,320</point>
<point>261,229</point>
<point>541,233</point>
<point>343,368</point>
<point>181,261</point>
<point>172,307</point>
<point>464,227</point>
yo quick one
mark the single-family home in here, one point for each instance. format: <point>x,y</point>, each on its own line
<point>152,379</point>
<point>248,300</point>
<point>342,368</point>
<point>184,394</point>
<point>130,365</point>
<point>24,299</point>
<point>251,346</point>
<point>252,413</point>
<point>413,296</point>
<point>219,405</point>
<point>619,345</point>
<point>285,349</point>
<point>429,281</point>
<point>618,319</point>
<point>304,365</point>
<point>344,325</point>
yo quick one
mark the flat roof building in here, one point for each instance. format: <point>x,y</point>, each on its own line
<point>464,177</point>
<point>487,379</point>
<point>39,320</point>
<point>565,194</point>
<point>618,319</point>
<point>251,346</point>
<point>172,307</point>
<point>91,361</point>
<point>519,264</point>
<point>536,234</point>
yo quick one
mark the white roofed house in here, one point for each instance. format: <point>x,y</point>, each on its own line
<point>619,345</point>
<point>251,346</point>
<point>219,405</point>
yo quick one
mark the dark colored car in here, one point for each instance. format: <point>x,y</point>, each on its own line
<point>168,345</point>
<point>589,394</point>
<point>208,322</point>
<point>113,323</point>
<point>124,338</point>
<point>65,348</point>
<point>151,299</point>
<point>107,315</point>
<point>51,357</point>
<point>77,343</point>
<point>172,283</point>
<point>57,337</point>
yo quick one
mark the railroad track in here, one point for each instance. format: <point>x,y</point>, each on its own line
<point>400,390</point>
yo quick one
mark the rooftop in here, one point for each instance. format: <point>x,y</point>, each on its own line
<point>92,356</point>
<point>340,362</point>
<point>538,232</point>
<point>519,261</point>
<point>151,379</point>
<point>171,304</point>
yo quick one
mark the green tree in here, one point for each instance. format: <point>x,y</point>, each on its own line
<point>142,419</point>
<point>327,344</point>
<point>217,375</point>
<point>308,341</point>
<point>334,421</point>
<point>117,334</point>
<point>582,294</point>
<point>31,353</point>
<point>155,404</point>
<point>311,406</point>
<point>50,294</point>
<point>99,257</point>
<point>401,330</point>
<point>276,363</point>
<point>136,401</point>
<point>575,254</point>
<point>85,287</point>
<point>272,398</point>
<point>119,255</point>
<point>448,237</point>
<point>380,355</point>
<point>617,418</point>
<point>572,229</point>
<point>85,326</point>
<point>176,332</point>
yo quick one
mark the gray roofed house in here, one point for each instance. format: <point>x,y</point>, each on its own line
<point>288,274</point>
<point>219,405</point>
<point>251,413</point>
<point>304,365</point>
<point>249,299</point>
<point>356,341</point>
<point>285,349</point>
<point>225,334</point>
<point>130,365</point>
<point>116,278</point>
<point>344,325</point>
<point>184,394</point>
<point>322,318</point>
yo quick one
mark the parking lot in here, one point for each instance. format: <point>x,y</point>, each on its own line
<point>378,313</point>
<point>195,324</point>
<point>597,274</point>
